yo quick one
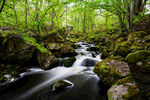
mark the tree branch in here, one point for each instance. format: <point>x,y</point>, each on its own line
<point>2,6</point>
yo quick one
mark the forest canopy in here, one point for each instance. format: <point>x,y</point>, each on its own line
<point>83,16</point>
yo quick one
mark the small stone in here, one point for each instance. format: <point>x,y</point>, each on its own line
<point>61,84</point>
<point>139,63</point>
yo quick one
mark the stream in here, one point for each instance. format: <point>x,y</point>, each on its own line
<point>37,84</point>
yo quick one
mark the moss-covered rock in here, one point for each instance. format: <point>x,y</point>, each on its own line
<point>62,49</point>
<point>123,48</point>
<point>110,70</point>
<point>10,72</point>
<point>47,60</point>
<point>124,89</point>
<point>61,84</point>
<point>69,62</point>
<point>136,41</point>
<point>139,63</point>
<point>14,50</point>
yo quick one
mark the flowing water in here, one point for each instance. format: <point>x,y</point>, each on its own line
<point>38,84</point>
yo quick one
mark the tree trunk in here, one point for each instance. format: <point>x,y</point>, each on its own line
<point>16,16</point>
<point>37,11</point>
<point>1,9</point>
<point>26,15</point>
<point>52,21</point>
<point>107,23</point>
<point>139,6</point>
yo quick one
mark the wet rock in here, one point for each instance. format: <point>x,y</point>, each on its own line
<point>69,62</point>
<point>61,49</point>
<point>88,62</point>
<point>124,89</point>
<point>61,84</point>
<point>92,49</point>
<point>110,70</point>
<point>15,50</point>
<point>47,60</point>
<point>139,63</point>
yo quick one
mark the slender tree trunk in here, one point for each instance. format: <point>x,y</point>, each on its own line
<point>16,16</point>
<point>1,9</point>
<point>107,23</point>
<point>84,15</point>
<point>52,20</point>
<point>66,15</point>
<point>37,12</point>
<point>26,15</point>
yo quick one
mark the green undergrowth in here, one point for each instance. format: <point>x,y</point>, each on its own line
<point>34,42</point>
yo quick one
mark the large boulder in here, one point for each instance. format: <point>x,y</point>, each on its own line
<point>124,89</point>
<point>47,60</point>
<point>15,50</point>
<point>110,70</point>
<point>61,49</point>
<point>139,63</point>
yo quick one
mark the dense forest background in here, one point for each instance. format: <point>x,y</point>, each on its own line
<point>90,17</point>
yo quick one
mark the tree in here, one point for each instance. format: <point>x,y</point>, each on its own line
<point>16,17</point>
<point>26,15</point>
<point>1,9</point>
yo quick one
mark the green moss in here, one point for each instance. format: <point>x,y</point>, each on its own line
<point>140,34</point>
<point>9,67</point>
<point>133,94</point>
<point>109,96</point>
<point>117,58</point>
<point>135,47</point>
<point>148,94</point>
<point>61,84</point>
<point>115,73</point>
<point>104,54</point>
<point>119,40</point>
<point>123,48</point>
<point>133,36</point>
<point>124,80</point>
<point>104,68</point>
<point>33,41</point>
<point>137,56</point>
<point>69,62</point>
<point>147,47</point>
